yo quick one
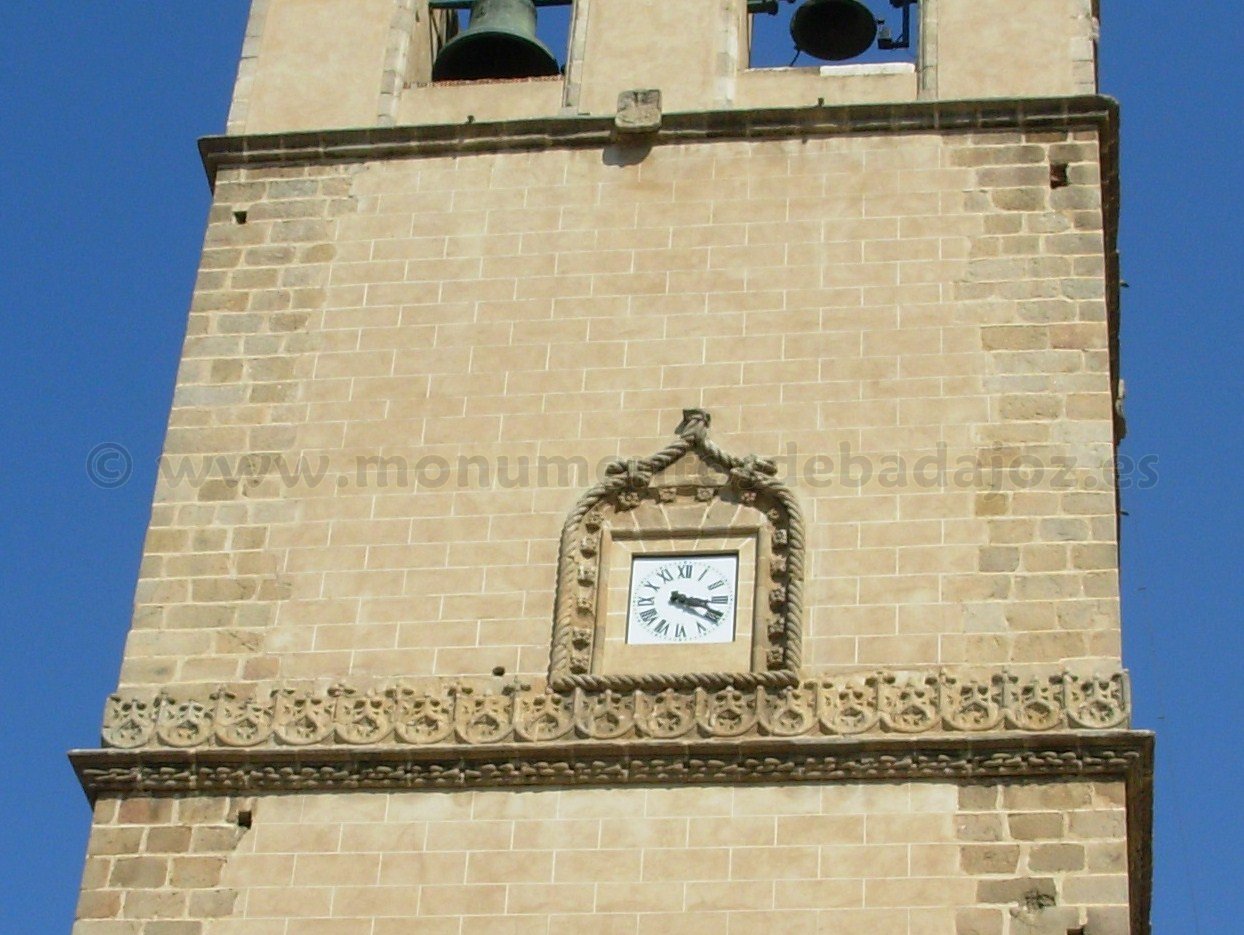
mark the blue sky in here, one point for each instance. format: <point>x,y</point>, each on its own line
<point>102,205</point>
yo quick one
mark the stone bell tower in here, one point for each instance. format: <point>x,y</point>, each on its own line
<point>631,491</point>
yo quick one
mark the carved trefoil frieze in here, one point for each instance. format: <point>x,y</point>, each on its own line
<point>936,701</point>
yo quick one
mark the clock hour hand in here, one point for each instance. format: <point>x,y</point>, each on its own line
<point>686,600</point>
<point>694,603</point>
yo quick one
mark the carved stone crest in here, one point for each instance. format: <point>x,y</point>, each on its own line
<point>185,722</point>
<point>363,717</point>
<point>727,713</point>
<point>665,715</point>
<point>423,718</point>
<point>129,721</point>
<point>543,717</point>
<point>788,712</point>
<point>243,717</point>
<point>1037,702</point>
<point>1095,701</point>
<point>604,716</point>
<point>909,703</point>
<point>973,704</point>
<point>484,717</point>
<point>850,705</point>
<point>648,488</point>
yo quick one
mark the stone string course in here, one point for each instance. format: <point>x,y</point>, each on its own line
<point>408,713</point>
<point>1112,754</point>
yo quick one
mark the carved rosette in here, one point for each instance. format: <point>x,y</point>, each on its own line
<point>628,484</point>
<point>954,701</point>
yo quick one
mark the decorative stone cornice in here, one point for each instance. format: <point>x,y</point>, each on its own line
<point>368,143</point>
<point>451,714</point>
<point>1113,754</point>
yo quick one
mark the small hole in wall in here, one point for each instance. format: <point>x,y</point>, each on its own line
<point>239,217</point>
<point>1058,175</point>
<point>498,671</point>
<point>245,817</point>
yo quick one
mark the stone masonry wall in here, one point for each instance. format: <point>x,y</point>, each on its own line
<point>481,322</point>
<point>904,859</point>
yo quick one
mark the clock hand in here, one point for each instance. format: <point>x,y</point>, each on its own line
<point>696,603</point>
<point>686,600</point>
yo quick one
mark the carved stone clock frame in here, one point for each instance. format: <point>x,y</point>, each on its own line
<point>723,503</point>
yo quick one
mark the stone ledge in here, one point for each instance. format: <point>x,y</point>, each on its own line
<point>1116,755</point>
<point>370,143</point>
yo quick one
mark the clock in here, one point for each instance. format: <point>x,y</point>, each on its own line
<point>682,598</point>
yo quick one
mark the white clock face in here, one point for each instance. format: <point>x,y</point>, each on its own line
<point>682,599</point>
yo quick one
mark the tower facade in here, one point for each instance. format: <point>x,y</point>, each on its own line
<point>663,496</point>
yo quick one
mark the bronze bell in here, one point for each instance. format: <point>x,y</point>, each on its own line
<point>833,29</point>
<point>499,42</point>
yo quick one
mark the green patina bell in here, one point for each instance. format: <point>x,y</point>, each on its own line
<point>833,29</point>
<point>499,42</point>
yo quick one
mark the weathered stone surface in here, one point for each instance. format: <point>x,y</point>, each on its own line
<point>638,112</point>
<point>411,350</point>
